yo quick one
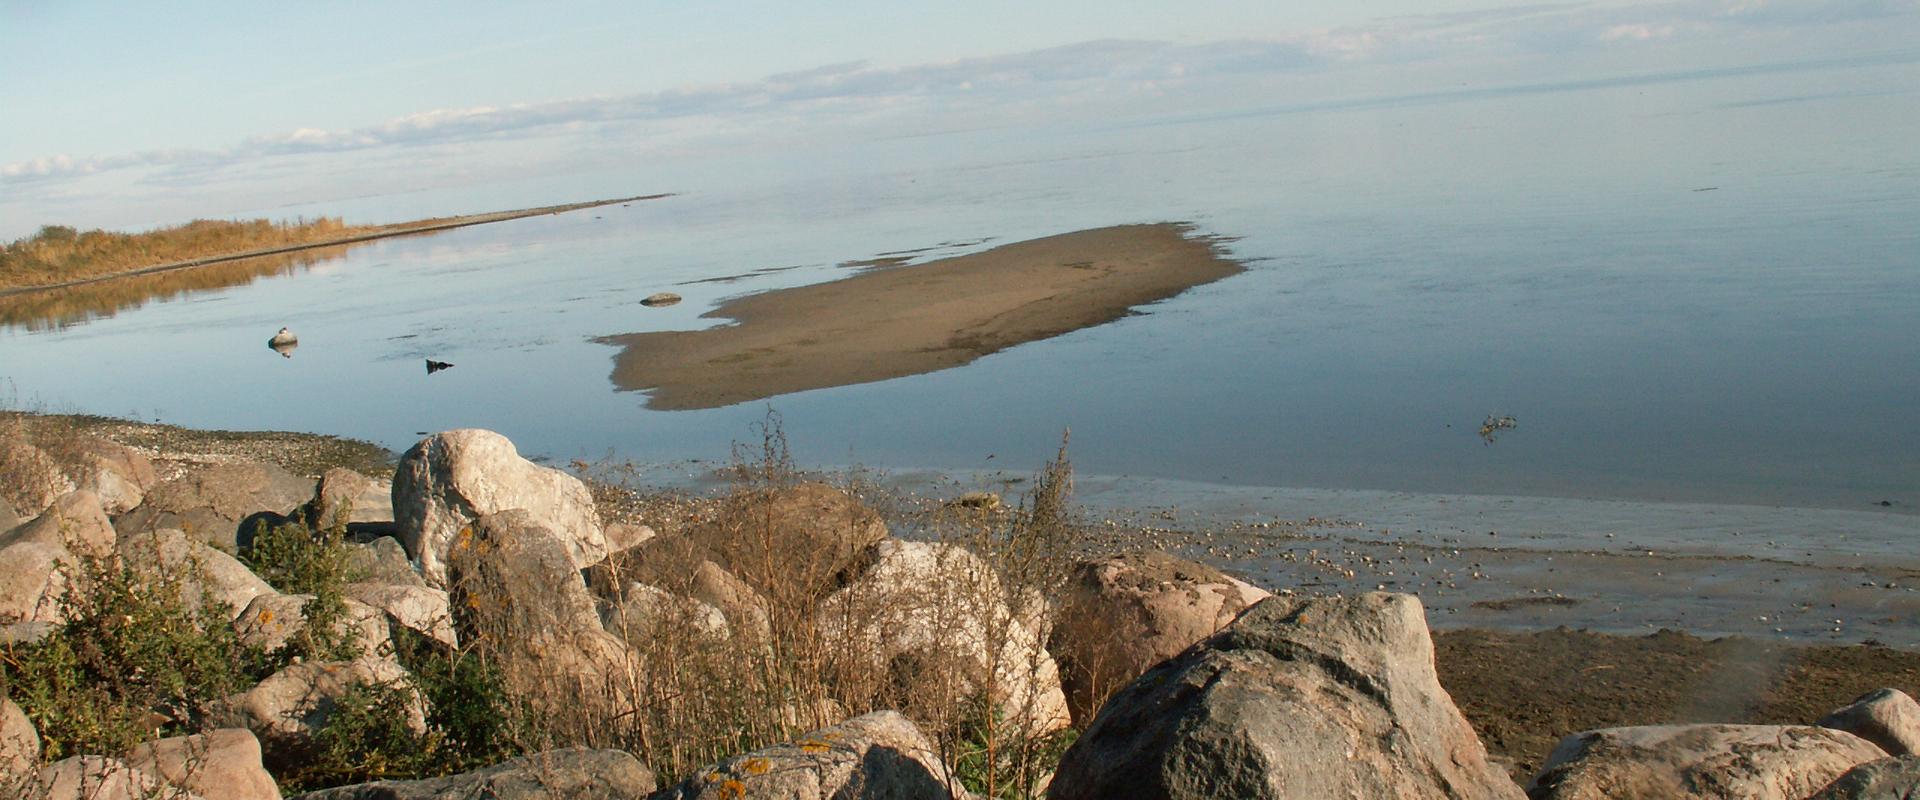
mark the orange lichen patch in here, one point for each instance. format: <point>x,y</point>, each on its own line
<point>756,766</point>
<point>814,746</point>
<point>711,777</point>
<point>732,789</point>
<point>266,615</point>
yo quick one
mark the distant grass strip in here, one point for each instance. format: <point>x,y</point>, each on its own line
<point>59,255</point>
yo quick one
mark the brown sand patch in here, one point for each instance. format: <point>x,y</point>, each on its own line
<point>1523,691</point>
<point>889,323</point>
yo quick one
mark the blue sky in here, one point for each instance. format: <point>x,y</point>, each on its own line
<point>119,114</point>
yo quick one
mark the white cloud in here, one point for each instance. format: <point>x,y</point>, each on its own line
<point>1042,76</point>
<point>1638,32</point>
<point>42,167</point>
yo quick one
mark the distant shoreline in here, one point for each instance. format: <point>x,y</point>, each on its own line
<point>381,232</point>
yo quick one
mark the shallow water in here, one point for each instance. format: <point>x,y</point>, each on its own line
<point>1415,266</point>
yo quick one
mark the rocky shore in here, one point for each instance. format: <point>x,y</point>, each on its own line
<point>186,614</point>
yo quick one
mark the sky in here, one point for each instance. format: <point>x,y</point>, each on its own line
<point>132,115</point>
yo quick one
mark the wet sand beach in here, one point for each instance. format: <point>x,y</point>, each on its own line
<point>891,322</point>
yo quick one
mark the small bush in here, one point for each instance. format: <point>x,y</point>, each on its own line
<point>469,713</point>
<point>135,661</point>
<point>989,765</point>
<point>297,559</point>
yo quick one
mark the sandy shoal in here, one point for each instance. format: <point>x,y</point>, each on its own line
<point>908,320</point>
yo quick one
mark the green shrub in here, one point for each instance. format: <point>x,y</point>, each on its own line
<point>297,559</point>
<point>366,738</point>
<point>474,720</point>
<point>990,763</point>
<point>470,722</point>
<point>138,659</point>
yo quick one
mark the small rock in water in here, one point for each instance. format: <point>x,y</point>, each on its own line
<point>284,343</point>
<point>661,299</point>
<point>1495,424</point>
<point>435,366</point>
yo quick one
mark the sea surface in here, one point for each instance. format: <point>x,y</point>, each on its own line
<point>1686,289</point>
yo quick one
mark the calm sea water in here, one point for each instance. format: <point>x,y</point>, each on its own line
<point>1701,290</point>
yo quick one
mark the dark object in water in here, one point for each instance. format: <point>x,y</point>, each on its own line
<point>660,299</point>
<point>1708,189</point>
<point>1495,424</point>
<point>435,366</point>
<point>1886,504</point>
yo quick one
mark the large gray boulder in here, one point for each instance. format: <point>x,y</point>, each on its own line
<point>879,755</point>
<point>574,773</point>
<point>1895,778</point>
<point>1699,762</point>
<point>936,615</point>
<point>1124,613</point>
<point>205,573</point>
<point>119,474</point>
<point>38,558</point>
<point>19,742</point>
<point>211,502</point>
<point>101,778</point>
<point>625,536</point>
<point>34,478</point>
<point>33,582</point>
<point>290,706</point>
<point>345,497</point>
<point>270,621</point>
<point>1333,697</point>
<point>383,560</point>
<point>1887,717</point>
<point>450,479</point>
<point>682,568</point>
<point>75,521</point>
<point>646,613</point>
<point>793,543</point>
<point>519,601</point>
<point>224,763</point>
<point>417,608</point>
<point>745,610</point>
<point>511,578</point>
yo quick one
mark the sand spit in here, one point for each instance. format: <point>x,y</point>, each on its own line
<point>888,323</point>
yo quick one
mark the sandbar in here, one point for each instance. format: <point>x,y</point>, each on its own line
<point>897,321</point>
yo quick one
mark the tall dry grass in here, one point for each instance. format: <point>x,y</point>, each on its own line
<point>831,647</point>
<point>58,253</point>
